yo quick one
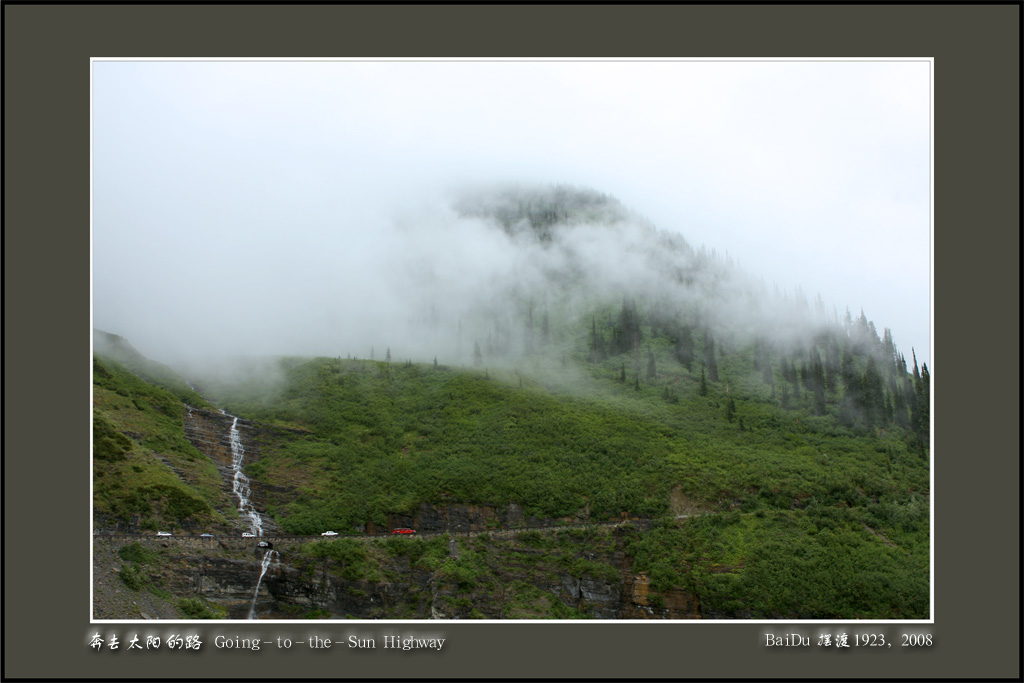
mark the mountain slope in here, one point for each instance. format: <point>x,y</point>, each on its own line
<point>777,455</point>
<point>146,475</point>
<point>790,516</point>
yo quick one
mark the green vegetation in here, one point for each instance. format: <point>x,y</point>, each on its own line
<point>117,350</point>
<point>820,562</point>
<point>814,458</point>
<point>133,576</point>
<point>136,552</point>
<point>787,480</point>
<point>422,553</point>
<point>146,473</point>
<point>137,572</point>
<point>350,557</point>
<point>380,440</point>
<point>197,608</point>
<point>317,614</point>
<point>377,443</point>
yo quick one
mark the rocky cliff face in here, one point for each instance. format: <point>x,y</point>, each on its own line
<point>209,431</point>
<point>494,576</point>
<point>456,517</point>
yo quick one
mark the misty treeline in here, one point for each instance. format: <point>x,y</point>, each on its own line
<point>681,309</point>
<point>844,367</point>
<point>540,209</point>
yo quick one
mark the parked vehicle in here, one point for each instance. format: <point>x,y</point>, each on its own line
<point>329,533</point>
<point>205,535</point>
<point>163,533</point>
<point>403,531</point>
<point>246,534</point>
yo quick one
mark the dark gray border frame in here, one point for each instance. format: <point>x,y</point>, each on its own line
<point>975,371</point>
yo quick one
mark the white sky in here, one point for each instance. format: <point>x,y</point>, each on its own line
<point>224,187</point>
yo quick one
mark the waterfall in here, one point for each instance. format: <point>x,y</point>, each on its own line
<point>240,482</point>
<point>267,559</point>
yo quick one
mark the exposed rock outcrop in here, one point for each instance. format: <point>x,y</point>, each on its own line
<point>210,432</point>
<point>457,516</point>
<point>507,577</point>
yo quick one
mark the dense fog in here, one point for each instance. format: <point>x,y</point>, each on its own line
<point>351,208</point>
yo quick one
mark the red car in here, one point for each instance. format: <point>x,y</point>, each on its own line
<point>403,531</point>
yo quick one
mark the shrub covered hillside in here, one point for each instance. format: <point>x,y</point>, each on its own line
<point>811,480</point>
<point>146,475</point>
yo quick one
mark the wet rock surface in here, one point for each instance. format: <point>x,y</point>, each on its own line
<point>210,432</point>
<point>505,578</point>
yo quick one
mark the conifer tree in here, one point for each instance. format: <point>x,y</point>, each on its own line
<point>629,327</point>
<point>924,406</point>
<point>875,388</point>
<point>899,407</point>
<point>597,350</point>
<point>652,371</point>
<point>684,347</point>
<point>847,372</point>
<point>832,365</point>
<point>478,357</point>
<point>794,377</point>
<point>889,350</point>
<point>615,343</point>
<point>703,384</point>
<point>918,401</point>
<point>818,375</point>
<point>709,356</point>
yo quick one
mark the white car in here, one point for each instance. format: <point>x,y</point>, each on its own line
<point>246,534</point>
<point>329,533</point>
<point>163,533</point>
